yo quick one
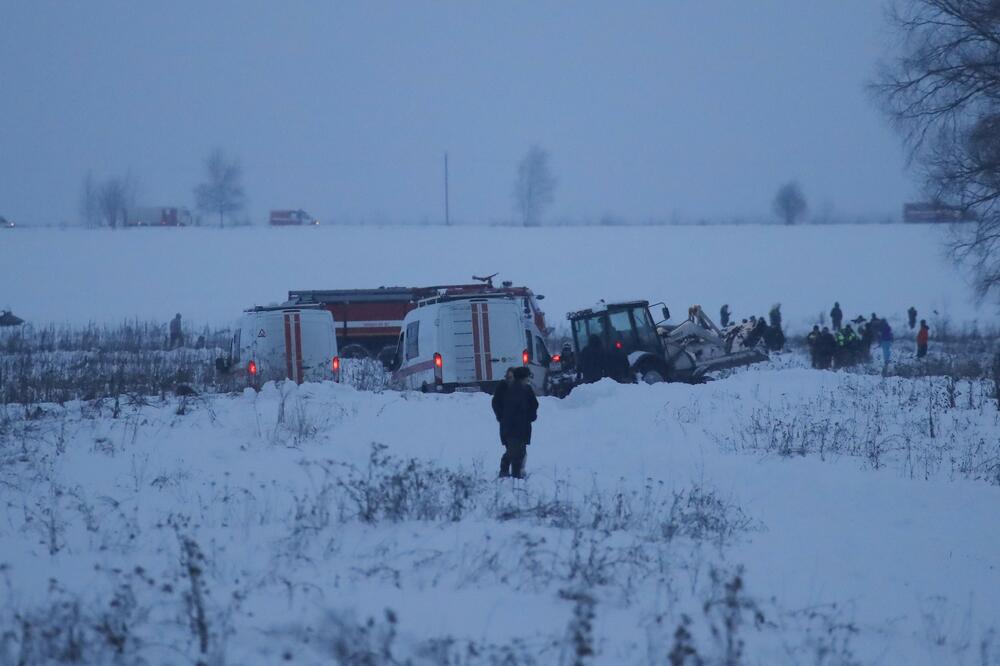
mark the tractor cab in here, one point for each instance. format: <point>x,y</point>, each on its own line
<point>658,351</point>
<point>626,326</point>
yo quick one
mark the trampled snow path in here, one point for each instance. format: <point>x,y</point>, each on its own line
<point>209,275</point>
<point>909,553</point>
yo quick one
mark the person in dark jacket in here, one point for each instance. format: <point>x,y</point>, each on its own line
<point>911,314</point>
<point>499,392</point>
<point>758,327</point>
<point>826,347</point>
<point>923,336</point>
<point>774,335</point>
<point>836,316</point>
<point>516,408</point>
<point>812,340</point>
<point>591,362</point>
<point>775,315</point>
<point>567,357</point>
<point>724,316</point>
<point>867,333</point>
<point>885,341</point>
<point>176,334</point>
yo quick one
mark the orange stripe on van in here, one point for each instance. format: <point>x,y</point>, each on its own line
<point>488,358</point>
<point>288,345</point>
<point>298,347</point>
<point>477,352</point>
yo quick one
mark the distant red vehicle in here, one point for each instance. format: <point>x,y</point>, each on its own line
<point>935,213</point>
<point>368,321</point>
<point>289,218</point>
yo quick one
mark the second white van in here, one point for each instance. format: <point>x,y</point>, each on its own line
<point>280,342</point>
<point>467,344</point>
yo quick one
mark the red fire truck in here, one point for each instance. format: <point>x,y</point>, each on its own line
<point>368,321</point>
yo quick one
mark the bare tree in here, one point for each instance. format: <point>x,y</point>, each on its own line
<point>222,193</point>
<point>942,92</point>
<point>535,186</point>
<point>90,210</point>
<point>790,203</point>
<point>113,201</point>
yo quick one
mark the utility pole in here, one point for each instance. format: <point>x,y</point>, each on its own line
<point>447,218</point>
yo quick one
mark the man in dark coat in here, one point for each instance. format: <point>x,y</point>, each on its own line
<point>724,316</point>
<point>176,334</point>
<point>774,314</point>
<point>836,316</point>
<point>515,407</point>
<point>867,332</point>
<point>591,362</point>
<point>826,347</point>
<point>911,314</point>
<point>812,340</point>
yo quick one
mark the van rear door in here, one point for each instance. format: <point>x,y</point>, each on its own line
<point>504,333</point>
<point>316,345</point>
<point>461,327</point>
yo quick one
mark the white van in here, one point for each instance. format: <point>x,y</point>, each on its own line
<point>282,342</point>
<point>453,343</point>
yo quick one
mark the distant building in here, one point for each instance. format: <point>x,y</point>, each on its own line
<point>158,216</point>
<point>930,212</point>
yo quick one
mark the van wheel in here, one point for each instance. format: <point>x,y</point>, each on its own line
<point>354,351</point>
<point>387,355</point>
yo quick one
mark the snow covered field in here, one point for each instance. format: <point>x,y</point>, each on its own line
<point>209,275</point>
<point>778,516</point>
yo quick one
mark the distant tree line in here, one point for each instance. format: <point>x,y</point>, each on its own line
<point>107,202</point>
<point>221,195</point>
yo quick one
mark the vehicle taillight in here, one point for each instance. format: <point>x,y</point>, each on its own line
<point>556,358</point>
<point>438,368</point>
<point>252,368</point>
<point>524,357</point>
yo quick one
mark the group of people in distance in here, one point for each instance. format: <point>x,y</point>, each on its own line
<point>755,329</point>
<point>848,345</point>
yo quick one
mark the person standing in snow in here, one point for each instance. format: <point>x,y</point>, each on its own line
<point>826,348</point>
<point>923,335</point>
<point>775,316</point>
<point>836,316</point>
<point>848,347</point>
<point>867,333</point>
<point>176,335</point>
<point>566,357</point>
<point>912,316</point>
<point>516,408</point>
<point>724,316</point>
<point>885,340</point>
<point>775,336</point>
<point>812,340</point>
<point>591,362</point>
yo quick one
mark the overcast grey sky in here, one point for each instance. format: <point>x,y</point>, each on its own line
<point>649,110</point>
